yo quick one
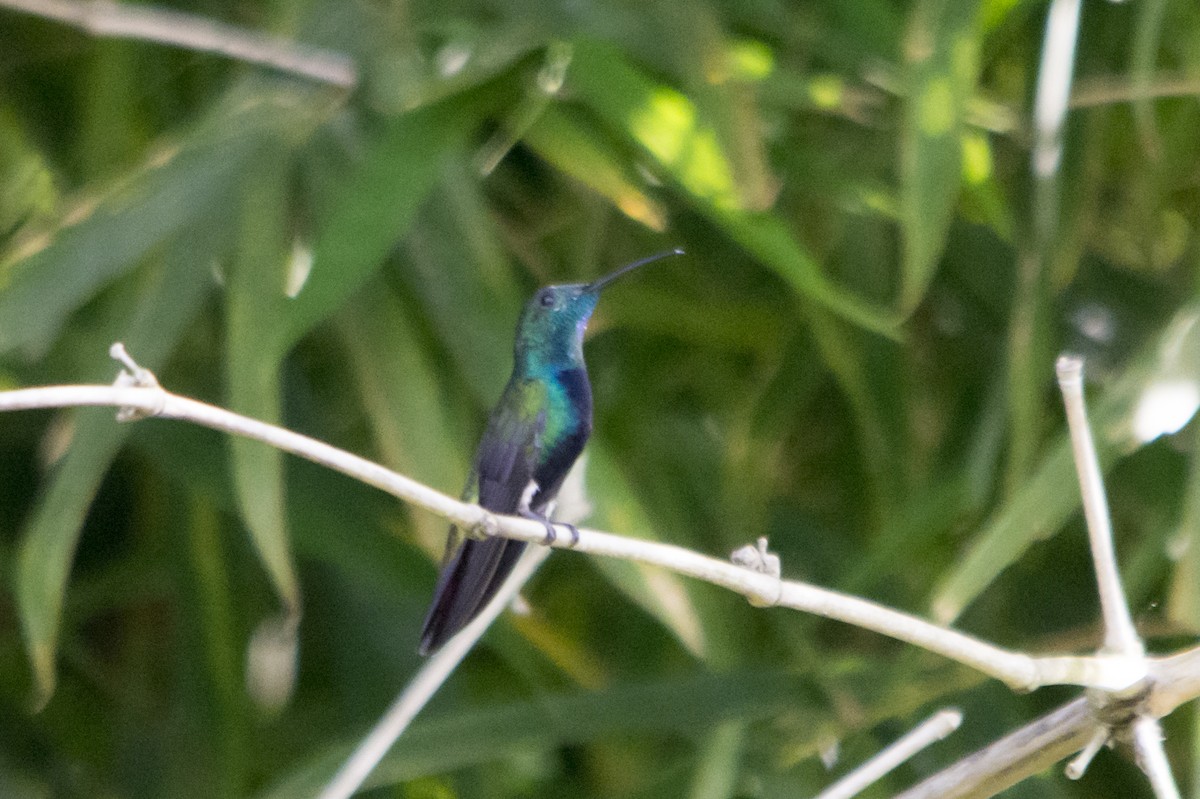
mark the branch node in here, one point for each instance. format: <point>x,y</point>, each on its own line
<point>1117,714</point>
<point>488,526</point>
<point>132,375</point>
<point>1119,709</point>
<point>760,559</point>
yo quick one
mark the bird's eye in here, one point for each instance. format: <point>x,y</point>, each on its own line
<point>547,299</point>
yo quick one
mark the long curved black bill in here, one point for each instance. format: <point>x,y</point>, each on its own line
<point>599,283</point>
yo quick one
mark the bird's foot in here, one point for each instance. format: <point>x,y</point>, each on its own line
<point>551,533</point>
<point>574,534</point>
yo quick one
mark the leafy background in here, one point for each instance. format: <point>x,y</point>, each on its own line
<point>855,359</point>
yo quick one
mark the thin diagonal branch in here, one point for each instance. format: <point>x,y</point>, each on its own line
<point>192,32</point>
<point>1020,754</point>
<point>930,731</point>
<point>571,506</point>
<point>425,683</point>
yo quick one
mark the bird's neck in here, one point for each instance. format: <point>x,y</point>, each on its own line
<point>532,367</point>
<point>545,358</point>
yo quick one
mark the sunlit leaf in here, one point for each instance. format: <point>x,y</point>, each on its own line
<point>942,49</point>
<point>664,123</point>
<point>579,152</point>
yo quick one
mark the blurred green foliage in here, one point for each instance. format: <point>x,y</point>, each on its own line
<point>855,359</point>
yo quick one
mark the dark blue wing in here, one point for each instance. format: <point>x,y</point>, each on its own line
<point>504,467</point>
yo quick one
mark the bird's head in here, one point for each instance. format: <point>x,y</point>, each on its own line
<point>550,332</point>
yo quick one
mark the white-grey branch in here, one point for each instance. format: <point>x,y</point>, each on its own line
<point>1167,681</point>
<point>192,32</point>
<point>1016,669</point>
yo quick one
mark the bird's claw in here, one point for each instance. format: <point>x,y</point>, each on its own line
<point>574,534</point>
<point>551,533</point>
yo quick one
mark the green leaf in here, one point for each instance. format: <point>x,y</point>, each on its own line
<point>664,595</point>
<point>943,45</point>
<point>256,314</point>
<point>456,268</point>
<point>867,372</point>
<point>167,304</point>
<point>399,387</point>
<point>690,707</point>
<point>112,132</point>
<point>46,280</point>
<point>27,191</point>
<point>1146,42</point>
<point>379,200</point>
<point>664,123</point>
<point>582,153</point>
<point>1183,604</point>
<point>719,761</point>
<point>211,619</point>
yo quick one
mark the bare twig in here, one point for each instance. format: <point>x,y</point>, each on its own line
<point>1167,681</point>
<point>932,730</point>
<point>425,683</point>
<point>1120,636</point>
<point>1054,85</point>
<point>1087,723</point>
<point>1079,764</point>
<point>1020,754</point>
<point>1072,727</point>
<point>1175,679</point>
<point>1152,758</point>
<point>192,32</point>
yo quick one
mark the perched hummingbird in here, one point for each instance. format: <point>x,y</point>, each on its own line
<point>533,436</point>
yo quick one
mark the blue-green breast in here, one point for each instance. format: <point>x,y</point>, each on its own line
<point>567,428</point>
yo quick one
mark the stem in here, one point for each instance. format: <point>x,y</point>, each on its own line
<point>192,32</point>
<point>1120,635</point>
<point>425,683</point>
<point>1152,758</point>
<point>1020,754</point>
<point>932,730</point>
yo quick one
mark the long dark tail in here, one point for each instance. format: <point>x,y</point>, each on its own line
<point>467,582</point>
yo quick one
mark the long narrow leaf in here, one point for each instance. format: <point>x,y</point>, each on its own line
<point>943,50</point>
<point>49,540</point>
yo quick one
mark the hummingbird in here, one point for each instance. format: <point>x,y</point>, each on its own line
<point>534,434</point>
